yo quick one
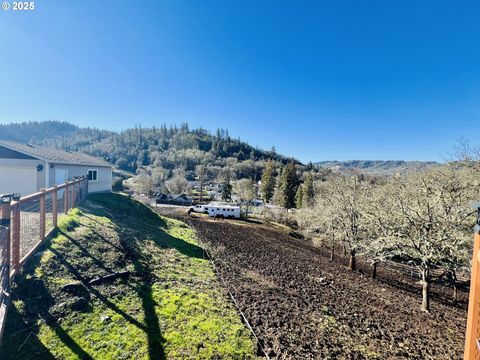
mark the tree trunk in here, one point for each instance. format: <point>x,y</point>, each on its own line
<point>352,265</point>
<point>332,252</point>
<point>452,278</point>
<point>425,290</point>
<point>374,271</point>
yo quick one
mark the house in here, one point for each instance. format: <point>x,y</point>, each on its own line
<point>172,199</point>
<point>182,199</point>
<point>26,168</point>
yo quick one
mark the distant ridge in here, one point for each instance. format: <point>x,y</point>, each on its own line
<point>376,167</point>
<point>168,148</point>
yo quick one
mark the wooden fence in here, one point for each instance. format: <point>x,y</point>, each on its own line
<point>472,341</point>
<point>25,224</point>
<point>4,276</point>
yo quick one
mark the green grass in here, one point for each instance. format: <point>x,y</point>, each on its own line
<point>171,306</point>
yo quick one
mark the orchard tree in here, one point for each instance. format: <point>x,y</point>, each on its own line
<point>431,220</point>
<point>268,182</point>
<point>347,198</point>
<point>321,221</point>
<point>381,227</point>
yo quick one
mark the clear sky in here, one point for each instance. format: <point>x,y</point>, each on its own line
<point>317,79</point>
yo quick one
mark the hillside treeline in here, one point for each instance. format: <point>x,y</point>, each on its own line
<point>169,148</point>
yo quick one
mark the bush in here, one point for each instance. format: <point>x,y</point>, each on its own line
<point>117,184</point>
<point>281,216</point>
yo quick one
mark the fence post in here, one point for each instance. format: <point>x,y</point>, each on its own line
<point>65,196</point>
<point>42,214</point>
<point>5,220</point>
<point>471,341</point>
<point>5,215</point>
<point>74,187</point>
<point>15,238</point>
<point>54,207</point>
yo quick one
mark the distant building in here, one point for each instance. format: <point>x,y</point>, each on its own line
<point>173,199</point>
<point>26,168</point>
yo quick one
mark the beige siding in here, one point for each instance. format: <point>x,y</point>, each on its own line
<point>104,182</point>
<point>5,164</point>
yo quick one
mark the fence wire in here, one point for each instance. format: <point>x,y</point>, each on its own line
<point>48,212</point>
<point>61,202</point>
<point>29,225</point>
<point>70,196</point>
<point>28,230</point>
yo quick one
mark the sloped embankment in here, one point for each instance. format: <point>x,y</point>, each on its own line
<point>168,305</point>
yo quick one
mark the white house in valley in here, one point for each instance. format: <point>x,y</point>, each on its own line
<point>26,168</point>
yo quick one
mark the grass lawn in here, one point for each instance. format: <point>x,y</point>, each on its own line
<point>171,306</point>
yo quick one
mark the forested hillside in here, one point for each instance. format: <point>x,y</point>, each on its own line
<point>376,167</point>
<point>167,148</point>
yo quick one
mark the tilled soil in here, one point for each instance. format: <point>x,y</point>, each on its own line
<point>302,306</point>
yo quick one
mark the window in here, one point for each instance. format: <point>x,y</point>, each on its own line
<point>92,175</point>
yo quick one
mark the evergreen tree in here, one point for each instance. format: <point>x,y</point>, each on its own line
<point>268,182</point>
<point>299,197</point>
<point>226,188</point>
<point>288,186</point>
<point>277,194</point>
<point>308,191</point>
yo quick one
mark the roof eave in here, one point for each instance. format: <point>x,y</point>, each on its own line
<point>51,161</point>
<point>24,152</point>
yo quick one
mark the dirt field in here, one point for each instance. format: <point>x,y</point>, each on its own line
<point>302,306</point>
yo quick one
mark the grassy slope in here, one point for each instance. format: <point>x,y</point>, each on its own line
<point>171,307</point>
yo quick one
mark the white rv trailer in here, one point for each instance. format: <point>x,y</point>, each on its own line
<point>224,211</point>
<point>217,210</point>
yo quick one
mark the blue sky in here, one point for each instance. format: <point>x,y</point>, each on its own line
<point>317,79</point>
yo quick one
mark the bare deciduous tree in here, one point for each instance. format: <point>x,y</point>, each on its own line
<point>177,185</point>
<point>430,220</point>
<point>346,198</point>
<point>245,189</point>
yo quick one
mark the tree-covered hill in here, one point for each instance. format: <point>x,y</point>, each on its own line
<point>376,167</point>
<point>165,147</point>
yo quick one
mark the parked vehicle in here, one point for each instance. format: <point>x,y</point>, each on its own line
<point>202,209</point>
<point>217,210</point>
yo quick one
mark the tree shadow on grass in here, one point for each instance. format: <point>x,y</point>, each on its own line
<point>144,291</point>
<point>20,339</point>
<point>146,224</point>
<point>136,225</point>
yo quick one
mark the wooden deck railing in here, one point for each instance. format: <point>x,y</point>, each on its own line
<point>25,223</point>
